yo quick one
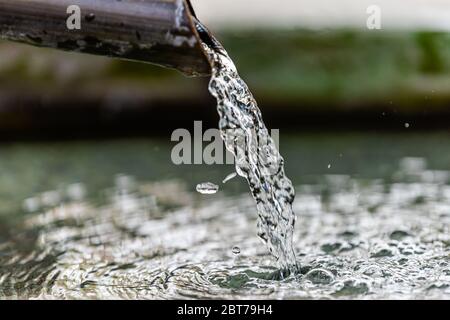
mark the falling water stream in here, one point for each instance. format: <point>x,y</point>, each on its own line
<point>256,156</point>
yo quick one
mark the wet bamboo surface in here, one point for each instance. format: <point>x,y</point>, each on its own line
<point>155,31</point>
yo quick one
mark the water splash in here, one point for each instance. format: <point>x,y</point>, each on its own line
<point>229,177</point>
<point>207,188</point>
<point>236,250</point>
<point>256,156</point>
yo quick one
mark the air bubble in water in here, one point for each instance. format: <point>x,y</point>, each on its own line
<point>236,250</point>
<point>207,188</point>
<point>320,276</point>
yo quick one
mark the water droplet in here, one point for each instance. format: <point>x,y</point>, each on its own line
<point>229,177</point>
<point>207,188</point>
<point>90,17</point>
<point>407,125</point>
<point>236,250</point>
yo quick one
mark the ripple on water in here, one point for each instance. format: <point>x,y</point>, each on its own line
<point>160,240</point>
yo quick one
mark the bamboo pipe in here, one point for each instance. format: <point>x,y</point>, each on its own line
<point>161,32</point>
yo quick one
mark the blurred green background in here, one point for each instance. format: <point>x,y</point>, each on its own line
<point>307,69</point>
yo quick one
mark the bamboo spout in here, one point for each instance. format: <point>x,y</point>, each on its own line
<point>161,32</point>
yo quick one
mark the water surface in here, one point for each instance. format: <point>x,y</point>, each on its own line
<point>115,219</point>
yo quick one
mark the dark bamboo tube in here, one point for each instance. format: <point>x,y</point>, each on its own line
<point>161,32</point>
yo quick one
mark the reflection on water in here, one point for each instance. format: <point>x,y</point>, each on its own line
<point>356,238</point>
